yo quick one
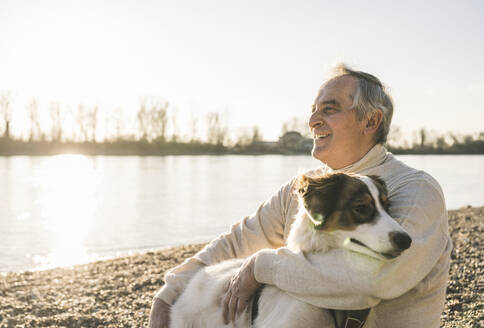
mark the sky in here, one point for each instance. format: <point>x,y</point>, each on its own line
<point>258,62</point>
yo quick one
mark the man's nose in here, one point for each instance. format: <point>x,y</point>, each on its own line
<point>315,121</point>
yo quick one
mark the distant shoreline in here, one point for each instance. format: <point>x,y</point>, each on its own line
<point>118,292</point>
<point>286,145</point>
<point>162,154</point>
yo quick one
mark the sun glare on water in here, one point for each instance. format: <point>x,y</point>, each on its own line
<point>68,203</point>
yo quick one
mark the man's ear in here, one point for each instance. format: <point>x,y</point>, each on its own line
<point>374,122</point>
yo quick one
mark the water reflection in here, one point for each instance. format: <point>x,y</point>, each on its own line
<point>64,210</point>
<point>67,199</point>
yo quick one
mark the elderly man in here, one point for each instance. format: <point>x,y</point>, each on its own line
<point>350,121</point>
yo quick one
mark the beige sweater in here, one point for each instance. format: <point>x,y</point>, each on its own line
<point>406,292</point>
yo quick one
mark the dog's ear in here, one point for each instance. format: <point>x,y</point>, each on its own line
<point>320,194</point>
<point>327,185</point>
<point>382,189</point>
<point>379,182</point>
<point>302,184</point>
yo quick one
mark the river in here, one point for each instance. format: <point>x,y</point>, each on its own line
<point>69,209</point>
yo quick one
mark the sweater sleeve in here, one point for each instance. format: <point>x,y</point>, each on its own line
<point>263,229</point>
<point>339,279</point>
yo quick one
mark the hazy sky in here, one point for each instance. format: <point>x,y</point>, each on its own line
<point>263,61</point>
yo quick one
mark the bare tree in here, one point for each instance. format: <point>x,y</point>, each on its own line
<point>423,136</point>
<point>33,110</point>
<point>92,122</point>
<point>56,120</point>
<point>296,124</point>
<point>5,102</point>
<point>441,143</point>
<point>159,118</point>
<point>174,135</point>
<point>114,125</point>
<point>194,127</point>
<point>216,130</point>
<point>456,138</point>
<point>119,123</point>
<point>395,137</point>
<point>256,135</point>
<point>153,118</point>
<point>143,121</point>
<point>285,128</point>
<point>81,119</point>
<point>243,138</point>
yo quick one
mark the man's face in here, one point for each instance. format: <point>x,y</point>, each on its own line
<point>339,138</point>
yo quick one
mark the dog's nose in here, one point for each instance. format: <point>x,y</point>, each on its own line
<point>400,239</point>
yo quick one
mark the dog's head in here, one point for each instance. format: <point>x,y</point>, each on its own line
<point>353,210</point>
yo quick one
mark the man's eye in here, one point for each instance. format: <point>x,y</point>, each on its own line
<point>329,109</point>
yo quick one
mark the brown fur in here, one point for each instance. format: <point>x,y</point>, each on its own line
<point>347,200</point>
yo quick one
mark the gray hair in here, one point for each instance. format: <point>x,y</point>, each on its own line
<point>370,96</point>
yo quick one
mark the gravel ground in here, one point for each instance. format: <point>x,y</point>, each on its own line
<point>465,293</point>
<point>118,292</point>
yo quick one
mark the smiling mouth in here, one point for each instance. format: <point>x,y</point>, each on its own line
<point>321,136</point>
<point>387,256</point>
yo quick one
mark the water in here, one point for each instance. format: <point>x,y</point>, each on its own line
<point>69,209</point>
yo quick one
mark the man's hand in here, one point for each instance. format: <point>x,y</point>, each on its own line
<point>160,314</point>
<point>241,288</point>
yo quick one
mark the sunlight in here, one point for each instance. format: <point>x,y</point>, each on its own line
<point>68,204</point>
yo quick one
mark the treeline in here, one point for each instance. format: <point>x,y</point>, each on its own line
<point>425,141</point>
<point>154,130</point>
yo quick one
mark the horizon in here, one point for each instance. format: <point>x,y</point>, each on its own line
<point>259,63</point>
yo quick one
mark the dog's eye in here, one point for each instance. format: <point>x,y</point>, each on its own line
<point>363,212</point>
<point>361,208</point>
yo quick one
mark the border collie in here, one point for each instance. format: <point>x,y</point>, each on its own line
<point>336,210</point>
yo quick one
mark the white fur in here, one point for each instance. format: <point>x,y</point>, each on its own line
<point>375,234</point>
<point>200,304</point>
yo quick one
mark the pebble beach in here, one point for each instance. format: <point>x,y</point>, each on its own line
<point>118,292</point>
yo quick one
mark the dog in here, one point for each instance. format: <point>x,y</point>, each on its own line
<point>337,210</point>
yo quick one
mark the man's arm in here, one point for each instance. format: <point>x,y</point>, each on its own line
<point>336,282</point>
<point>160,314</point>
<point>263,229</point>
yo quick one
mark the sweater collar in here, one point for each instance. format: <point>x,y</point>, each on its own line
<point>376,156</point>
